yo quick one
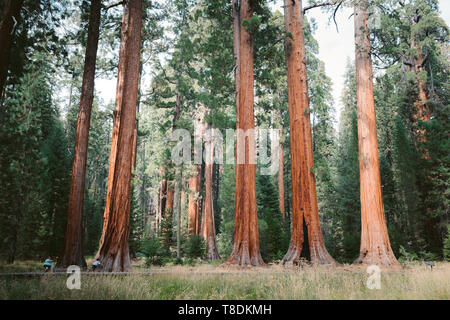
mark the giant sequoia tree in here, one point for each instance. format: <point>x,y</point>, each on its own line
<point>375,246</point>
<point>73,245</point>
<point>304,195</point>
<point>114,251</point>
<point>246,234</point>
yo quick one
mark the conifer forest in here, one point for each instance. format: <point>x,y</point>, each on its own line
<point>195,137</point>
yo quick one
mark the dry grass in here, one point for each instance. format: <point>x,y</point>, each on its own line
<point>227,282</point>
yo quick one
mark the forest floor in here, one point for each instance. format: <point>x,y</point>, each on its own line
<point>221,282</point>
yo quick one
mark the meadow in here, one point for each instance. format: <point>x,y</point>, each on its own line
<point>221,282</point>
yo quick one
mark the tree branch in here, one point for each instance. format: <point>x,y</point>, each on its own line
<point>114,5</point>
<point>330,3</point>
<point>318,5</point>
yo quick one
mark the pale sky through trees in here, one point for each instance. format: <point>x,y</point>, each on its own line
<point>334,48</point>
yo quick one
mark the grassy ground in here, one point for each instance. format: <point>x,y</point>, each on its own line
<point>225,282</point>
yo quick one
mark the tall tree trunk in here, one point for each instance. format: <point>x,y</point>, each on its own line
<point>177,207</point>
<point>170,197</point>
<point>114,250</point>
<point>212,254</point>
<point>10,18</point>
<point>304,195</point>
<point>193,207</point>
<point>422,110</point>
<point>203,222</point>
<point>136,128</point>
<point>73,245</point>
<point>246,236</point>
<point>162,198</point>
<point>195,179</point>
<point>236,13</point>
<point>281,173</point>
<point>375,245</point>
<point>281,181</point>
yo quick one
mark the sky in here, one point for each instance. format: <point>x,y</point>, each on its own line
<point>335,48</point>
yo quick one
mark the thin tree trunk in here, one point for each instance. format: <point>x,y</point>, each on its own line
<point>193,207</point>
<point>162,198</point>
<point>246,236</point>
<point>375,246</point>
<point>73,245</point>
<point>177,208</point>
<point>281,175</point>
<point>10,18</point>
<point>170,197</point>
<point>203,222</point>
<point>136,128</point>
<point>304,195</point>
<point>114,250</point>
<point>212,254</point>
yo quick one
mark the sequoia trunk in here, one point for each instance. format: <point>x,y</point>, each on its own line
<point>375,246</point>
<point>246,235</point>
<point>113,249</point>
<point>212,253</point>
<point>73,245</point>
<point>170,198</point>
<point>193,207</point>
<point>304,195</point>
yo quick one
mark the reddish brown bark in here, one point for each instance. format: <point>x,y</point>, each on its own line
<point>212,253</point>
<point>281,180</point>
<point>422,110</point>
<point>113,249</point>
<point>246,236</point>
<point>10,17</point>
<point>73,245</point>
<point>304,195</point>
<point>162,198</point>
<point>375,246</point>
<point>136,128</point>
<point>193,207</point>
<point>203,222</point>
<point>170,197</point>
<point>236,13</point>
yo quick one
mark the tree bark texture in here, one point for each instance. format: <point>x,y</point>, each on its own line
<point>246,236</point>
<point>375,246</point>
<point>193,206</point>
<point>304,195</point>
<point>212,254</point>
<point>113,249</point>
<point>170,197</point>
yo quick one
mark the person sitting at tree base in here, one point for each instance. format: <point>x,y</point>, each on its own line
<point>96,264</point>
<point>48,265</point>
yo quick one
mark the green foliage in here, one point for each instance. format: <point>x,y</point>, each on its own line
<point>35,168</point>
<point>447,245</point>
<point>153,251</point>
<point>252,25</point>
<point>194,247</point>
<point>274,237</point>
<point>166,232</point>
<point>227,205</point>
